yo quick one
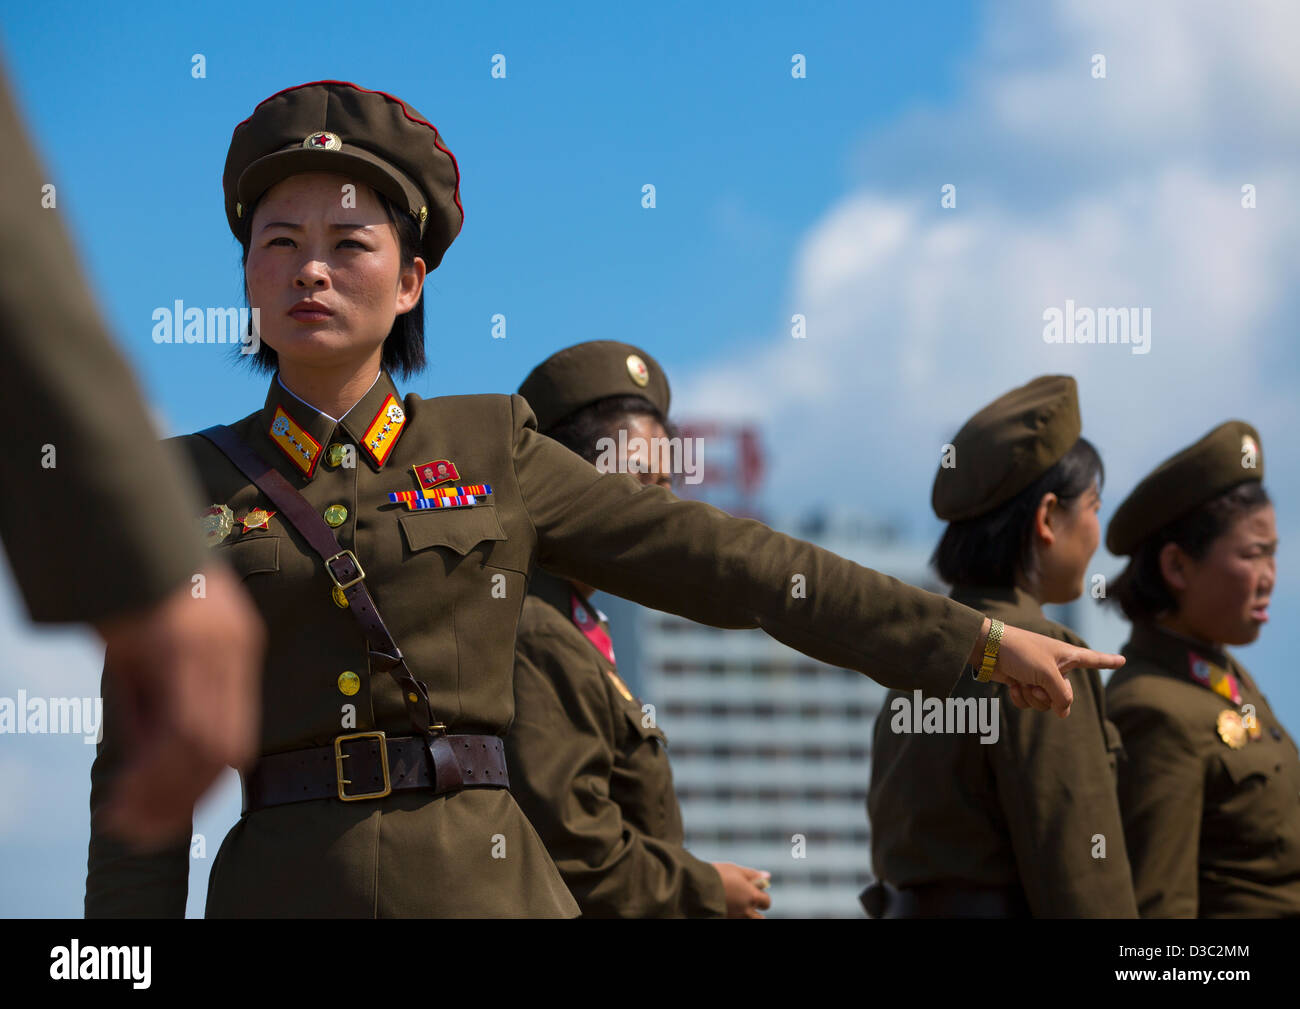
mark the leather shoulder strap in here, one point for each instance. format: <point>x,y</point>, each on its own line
<point>341,565</point>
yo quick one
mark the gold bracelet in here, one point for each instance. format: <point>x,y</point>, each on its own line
<point>991,646</point>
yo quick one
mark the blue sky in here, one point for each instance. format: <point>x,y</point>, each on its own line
<point>594,105</point>
<point>775,196</point>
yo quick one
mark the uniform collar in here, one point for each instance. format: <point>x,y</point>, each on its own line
<point>552,590</point>
<point>1010,599</point>
<point>1185,659</point>
<point>301,433</point>
<point>560,593</point>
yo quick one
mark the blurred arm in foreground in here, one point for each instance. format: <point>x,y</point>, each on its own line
<point>96,517</point>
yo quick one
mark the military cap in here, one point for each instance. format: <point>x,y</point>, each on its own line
<point>334,126</point>
<point>1007,446</point>
<point>579,375</point>
<point>1227,456</point>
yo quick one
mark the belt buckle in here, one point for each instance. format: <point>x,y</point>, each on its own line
<point>361,574</point>
<point>340,756</point>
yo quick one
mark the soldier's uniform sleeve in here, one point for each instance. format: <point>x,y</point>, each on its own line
<point>121,883</point>
<point>1057,788</point>
<point>108,528</point>
<point>1161,790</point>
<point>694,560</point>
<point>561,753</point>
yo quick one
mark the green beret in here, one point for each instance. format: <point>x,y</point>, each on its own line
<point>579,375</point>
<point>1227,456</point>
<point>1006,447</point>
<point>334,126</point>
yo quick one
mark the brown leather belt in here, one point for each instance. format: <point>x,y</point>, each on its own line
<point>370,765</point>
<point>941,901</point>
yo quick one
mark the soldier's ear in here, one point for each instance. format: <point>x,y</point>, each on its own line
<point>1174,564</point>
<point>1046,518</point>
<point>410,285</point>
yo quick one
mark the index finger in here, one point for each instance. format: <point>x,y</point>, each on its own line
<point>1086,658</point>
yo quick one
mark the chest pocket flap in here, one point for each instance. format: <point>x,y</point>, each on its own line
<point>640,730</point>
<point>1258,802</point>
<point>1253,760</point>
<point>252,556</point>
<point>460,529</point>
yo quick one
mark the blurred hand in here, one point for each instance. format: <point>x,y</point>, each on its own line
<point>187,676</point>
<point>1033,667</point>
<point>744,898</point>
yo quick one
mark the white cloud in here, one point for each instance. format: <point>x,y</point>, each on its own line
<point>1122,192</point>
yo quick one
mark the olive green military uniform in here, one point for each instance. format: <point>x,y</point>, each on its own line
<point>589,766</point>
<point>1211,808</point>
<point>1029,823</point>
<point>450,583</point>
<point>1020,814</point>
<point>94,513</point>
<point>590,770</point>
<point>1210,791</point>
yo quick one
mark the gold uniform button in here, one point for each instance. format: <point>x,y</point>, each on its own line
<point>340,598</point>
<point>336,515</point>
<point>334,455</point>
<point>349,682</point>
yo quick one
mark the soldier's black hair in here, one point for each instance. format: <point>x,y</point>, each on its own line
<point>992,549</point>
<point>403,353</point>
<point>1141,590</point>
<point>581,430</point>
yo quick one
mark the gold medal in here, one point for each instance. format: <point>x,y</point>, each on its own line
<point>258,518</point>
<point>217,522</point>
<point>1251,722</point>
<point>1231,729</point>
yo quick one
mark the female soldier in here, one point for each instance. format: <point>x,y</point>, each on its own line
<point>388,544</point>
<point>587,764</point>
<point>1021,504</point>
<point>1208,791</point>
